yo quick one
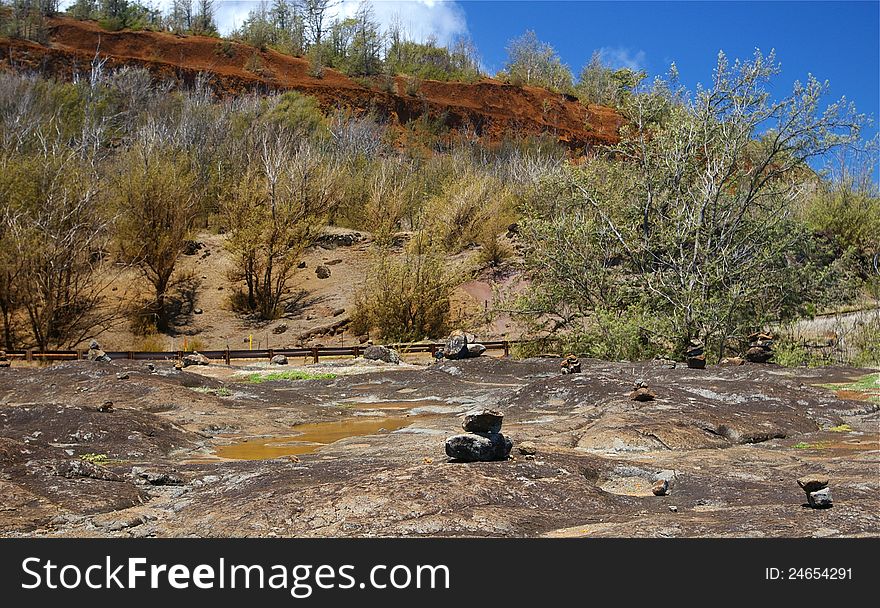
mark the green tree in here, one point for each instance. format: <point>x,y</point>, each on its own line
<point>692,231</point>
<point>157,203</point>
<point>535,63</point>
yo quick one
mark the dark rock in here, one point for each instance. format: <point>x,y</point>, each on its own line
<point>381,353</point>
<point>278,360</point>
<point>332,241</point>
<point>333,262</point>
<point>820,499</point>
<point>660,487</point>
<point>191,247</point>
<point>107,406</point>
<point>280,328</point>
<point>758,355</point>
<point>156,477</point>
<point>478,447</point>
<point>323,272</point>
<point>301,265</point>
<point>198,311</point>
<point>475,350</point>
<point>151,367</point>
<point>813,483</point>
<point>122,376</point>
<point>697,362</point>
<point>483,421</point>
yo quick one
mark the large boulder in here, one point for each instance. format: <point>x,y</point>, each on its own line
<point>381,353</point>
<point>195,358</point>
<point>278,360</point>
<point>483,421</point>
<point>478,447</point>
<point>456,346</point>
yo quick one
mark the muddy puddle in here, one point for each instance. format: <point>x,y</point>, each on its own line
<point>308,438</point>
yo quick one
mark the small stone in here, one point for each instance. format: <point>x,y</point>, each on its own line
<point>813,483</point>
<point>483,421</point>
<point>278,360</point>
<point>643,394</point>
<point>151,368</point>
<point>96,354</point>
<point>660,487</point>
<point>820,499</point>
<point>475,350</point>
<point>697,362</point>
<point>673,508</point>
<point>322,272</point>
<point>280,328</point>
<point>570,365</point>
<point>640,383</point>
<point>301,265</point>
<point>733,361</point>
<point>527,448</point>
<point>122,376</point>
<point>107,406</point>
<point>198,311</point>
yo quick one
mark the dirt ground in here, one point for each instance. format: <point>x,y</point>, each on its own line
<point>203,318</point>
<point>174,456</point>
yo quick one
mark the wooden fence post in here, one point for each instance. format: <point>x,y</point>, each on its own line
<point>315,353</point>
<point>506,348</point>
<point>227,355</point>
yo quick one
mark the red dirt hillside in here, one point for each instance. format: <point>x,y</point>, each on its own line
<point>488,108</point>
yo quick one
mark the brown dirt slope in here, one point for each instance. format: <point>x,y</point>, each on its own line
<point>488,108</point>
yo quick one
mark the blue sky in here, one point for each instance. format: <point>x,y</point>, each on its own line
<point>835,41</point>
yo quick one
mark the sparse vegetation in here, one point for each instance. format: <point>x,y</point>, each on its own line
<point>289,375</point>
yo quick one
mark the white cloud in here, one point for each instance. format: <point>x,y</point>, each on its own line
<point>622,57</point>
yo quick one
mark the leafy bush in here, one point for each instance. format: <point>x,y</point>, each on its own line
<point>405,299</point>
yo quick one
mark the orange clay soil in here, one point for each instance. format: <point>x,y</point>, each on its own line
<point>488,108</point>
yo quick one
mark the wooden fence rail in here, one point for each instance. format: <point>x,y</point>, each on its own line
<point>315,353</point>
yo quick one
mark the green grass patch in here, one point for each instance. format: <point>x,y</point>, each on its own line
<point>291,375</point>
<point>809,446</point>
<point>100,459</point>
<point>841,428</point>
<point>865,384</point>
<point>205,390</point>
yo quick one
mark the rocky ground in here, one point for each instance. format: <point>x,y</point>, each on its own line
<point>730,440</point>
